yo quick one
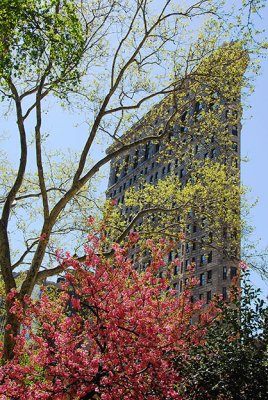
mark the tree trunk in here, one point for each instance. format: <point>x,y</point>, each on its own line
<point>10,334</point>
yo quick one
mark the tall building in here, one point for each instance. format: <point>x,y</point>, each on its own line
<point>200,128</point>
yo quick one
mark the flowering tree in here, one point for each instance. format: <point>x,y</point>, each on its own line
<point>113,332</point>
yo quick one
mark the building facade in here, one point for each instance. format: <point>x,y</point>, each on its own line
<point>183,150</point>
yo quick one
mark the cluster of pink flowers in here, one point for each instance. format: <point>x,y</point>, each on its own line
<point>113,332</point>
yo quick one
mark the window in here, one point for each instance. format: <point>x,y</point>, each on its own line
<point>206,155</point>
<point>204,223</point>
<point>156,176</point>
<point>176,270</point>
<point>170,134</point>
<point>125,170</point>
<point>170,256</point>
<point>152,166</point>
<point>235,146</point>
<point>176,286</point>
<point>169,167</point>
<point>163,170</point>
<point>210,237</point>
<point>234,114</point>
<point>201,296</point>
<point>146,151</point>
<point>116,173</point>
<point>213,153</point>
<point>209,276</point>
<point>134,178</point>
<point>235,163</point>
<point>182,172</point>
<point>194,228</point>
<point>233,272</point>
<point>136,159</point>
<point>191,213</point>
<point>151,178</point>
<point>187,263</point>
<point>124,186</point>
<point>176,162</point>
<point>130,182</point>
<point>224,293</point>
<point>157,147</point>
<point>234,130</point>
<point>114,193</point>
<point>210,257</point>
<point>194,246</point>
<point>198,107</point>
<point>183,117</point>
<point>202,259</point>
<point>202,279</point>
<point>224,273</point>
<point>120,189</point>
<point>208,296</point>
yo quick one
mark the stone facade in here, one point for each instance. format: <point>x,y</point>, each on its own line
<point>155,160</point>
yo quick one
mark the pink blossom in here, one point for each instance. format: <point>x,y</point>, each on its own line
<point>27,299</point>
<point>243,265</point>
<point>11,294</point>
<point>43,237</point>
<point>134,237</point>
<point>90,220</point>
<point>76,303</point>
<point>8,327</point>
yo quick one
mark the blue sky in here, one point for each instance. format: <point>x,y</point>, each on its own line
<point>255,147</point>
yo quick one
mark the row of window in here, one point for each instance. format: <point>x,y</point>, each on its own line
<point>202,278</point>
<point>233,272</point>
<point>153,178</point>
<point>185,264</point>
<point>179,288</point>
<point>166,169</point>
<point>146,154</point>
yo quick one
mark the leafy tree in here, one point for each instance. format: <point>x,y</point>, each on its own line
<point>233,362</point>
<point>101,52</point>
